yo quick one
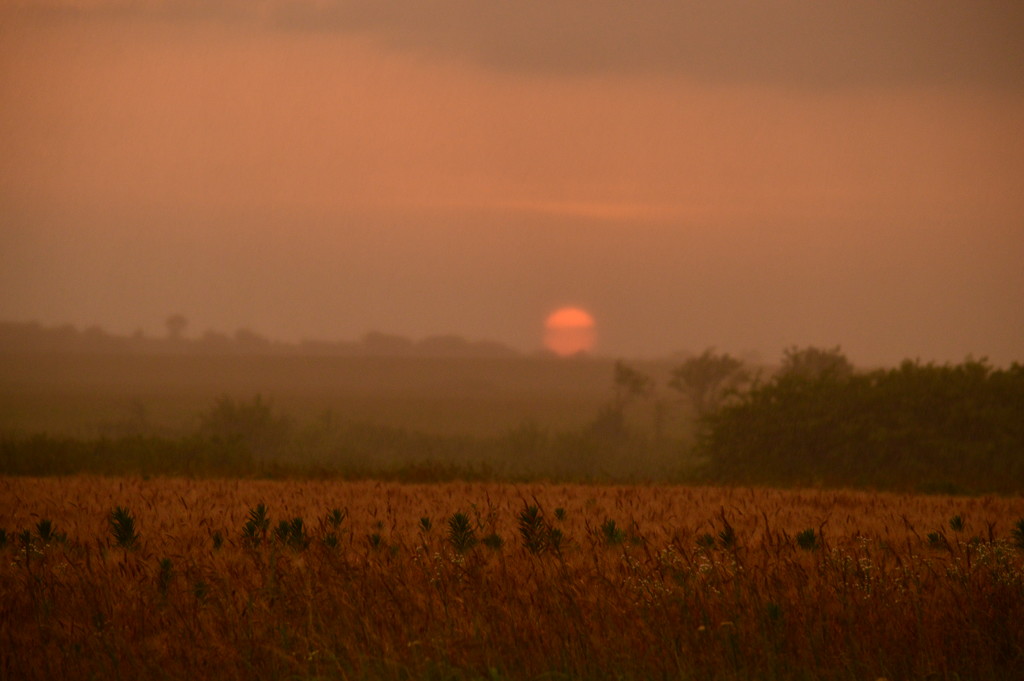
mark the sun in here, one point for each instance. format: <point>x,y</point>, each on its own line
<point>569,331</point>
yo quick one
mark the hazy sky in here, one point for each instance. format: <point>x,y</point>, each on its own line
<point>747,174</point>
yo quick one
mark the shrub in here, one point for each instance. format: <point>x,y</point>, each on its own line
<point>253,424</point>
<point>44,528</point>
<point>706,541</point>
<point>292,533</point>
<point>255,529</point>
<point>122,525</point>
<point>1018,534</point>
<point>727,537</point>
<point>886,428</point>
<point>461,533</point>
<point>611,533</point>
<point>807,539</point>
<point>335,517</point>
<point>937,540</point>
<point>533,529</point>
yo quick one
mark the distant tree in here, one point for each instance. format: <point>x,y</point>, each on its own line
<point>630,384</point>
<point>386,344</point>
<point>176,324</point>
<point>443,346</point>
<point>915,426</point>
<point>706,380</point>
<point>816,363</point>
<point>215,341</point>
<point>247,340</point>
<point>253,423</point>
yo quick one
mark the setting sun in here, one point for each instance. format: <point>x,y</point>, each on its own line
<point>569,331</point>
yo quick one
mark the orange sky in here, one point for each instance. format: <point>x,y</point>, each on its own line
<point>747,176</point>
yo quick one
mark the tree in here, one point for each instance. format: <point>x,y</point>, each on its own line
<point>630,383</point>
<point>914,426</point>
<point>816,363</point>
<point>176,324</point>
<point>247,340</point>
<point>252,423</point>
<point>706,380</point>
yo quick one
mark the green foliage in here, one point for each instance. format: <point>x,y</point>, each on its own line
<point>461,534</point>
<point>706,541</point>
<point>555,537</point>
<point>705,381</point>
<point>44,528</point>
<point>1017,533</point>
<point>727,537</point>
<point>425,524</point>
<point>335,517</point>
<point>255,529</point>
<point>122,526</point>
<point>807,539</point>
<point>900,428</point>
<point>612,533</point>
<point>493,541</point>
<point>956,523</point>
<point>939,429</point>
<point>937,540</point>
<point>292,533</point>
<point>816,364</point>
<point>536,534</point>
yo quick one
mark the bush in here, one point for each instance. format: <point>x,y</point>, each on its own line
<point>253,424</point>
<point>122,526</point>
<point>905,428</point>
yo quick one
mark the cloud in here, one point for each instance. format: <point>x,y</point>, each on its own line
<point>791,43</point>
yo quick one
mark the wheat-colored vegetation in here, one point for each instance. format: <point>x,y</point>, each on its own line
<point>174,578</point>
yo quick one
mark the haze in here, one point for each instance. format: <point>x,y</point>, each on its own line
<point>744,175</point>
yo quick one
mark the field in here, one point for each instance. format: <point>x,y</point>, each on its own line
<point>393,417</point>
<point>83,394</point>
<point>189,579</point>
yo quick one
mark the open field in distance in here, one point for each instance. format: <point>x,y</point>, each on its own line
<point>78,394</point>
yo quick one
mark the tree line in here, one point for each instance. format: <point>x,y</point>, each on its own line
<point>31,337</point>
<point>819,421</point>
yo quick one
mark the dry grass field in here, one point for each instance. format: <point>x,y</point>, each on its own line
<point>500,581</point>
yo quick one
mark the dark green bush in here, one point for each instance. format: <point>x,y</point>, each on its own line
<point>913,427</point>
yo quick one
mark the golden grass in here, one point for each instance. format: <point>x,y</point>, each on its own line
<point>878,598</point>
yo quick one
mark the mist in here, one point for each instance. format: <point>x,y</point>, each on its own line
<point>747,177</point>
